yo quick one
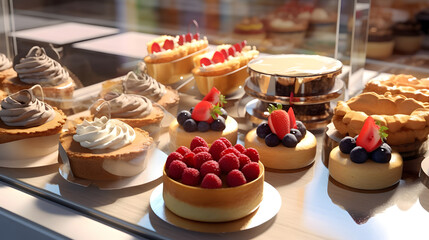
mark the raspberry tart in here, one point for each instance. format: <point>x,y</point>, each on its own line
<point>217,184</point>
<point>207,119</point>
<point>366,162</point>
<point>170,57</point>
<point>283,143</point>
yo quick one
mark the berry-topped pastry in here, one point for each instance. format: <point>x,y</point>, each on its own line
<point>365,161</point>
<point>213,184</point>
<point>170,57</point>
<point>283,143</point>
<point>207,119</point>
<point>223,68</point>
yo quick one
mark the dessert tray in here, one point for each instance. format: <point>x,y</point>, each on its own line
<point>152,172</point>
<point>268,208</point>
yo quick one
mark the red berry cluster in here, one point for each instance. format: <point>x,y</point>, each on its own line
<point>206,167</point>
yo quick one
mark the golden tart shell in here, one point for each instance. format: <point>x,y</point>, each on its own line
<point>406,118</point>
<point>213,205</point>
<point>406,85</point>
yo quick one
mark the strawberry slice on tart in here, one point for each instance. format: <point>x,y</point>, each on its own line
<point>215,97</point>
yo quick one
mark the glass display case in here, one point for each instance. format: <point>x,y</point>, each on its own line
<point>105,55</point>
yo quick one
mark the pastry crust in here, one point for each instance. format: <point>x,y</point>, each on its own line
<point>8,73</point>
<point>213,205</point>
<point>88,164</point>
<point>9,133</point>
<point>406,85</point>
<point>406,118</point>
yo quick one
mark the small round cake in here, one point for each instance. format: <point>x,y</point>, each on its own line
<point>213,184</point>
<point>207,120</point>
<point>366,162</point>
<point>366,176</point>
<point>283,143</point>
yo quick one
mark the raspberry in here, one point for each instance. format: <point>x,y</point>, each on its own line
<point>211,181</point>
<point>197,142</point>
<point>173,156</point>
<point>176,169</point>
<point>210,167</point>
<point>230,150</point>
<point>251,171</point>
<point>243,159</point>
<point>201,158</point>
<point>189,159</point>
<point>239,147</point>
<point>217,147</point>
<point>235,178</point>
<point>191,177</point>
<point>252,154</point>
<point>183,150</point>
<point>200,149</point>
<point>226,141</point>
<point>228,163</point>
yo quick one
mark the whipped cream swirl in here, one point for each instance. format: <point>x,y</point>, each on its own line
<point>23,109</point>
<point>103,133</point>
<point>5,63</point>
<point>145,85</point>
<point>124,106</point>
<point>38,68</point>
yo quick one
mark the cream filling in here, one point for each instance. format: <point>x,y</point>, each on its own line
<point>127,168</point>
<point>296,65</point>
<point>29,148</point>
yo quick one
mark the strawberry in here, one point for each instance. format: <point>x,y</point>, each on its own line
<point>215,97</point>
<point>155,47</point>
<point>168,44</point>
<point>369,137</point>
<point>278,121</point>
<point>181,40</point>
<point>237,47</point>
<point>188,37</point>
<point>243,44</point>
<point>218,57</point>
<point>292,119</point>
<point>205,111</point>
<point>224,53</point>
<point>205,62</point>
<point>196,36</point>
<point>231,51</point>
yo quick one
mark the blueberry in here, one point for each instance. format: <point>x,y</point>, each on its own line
<point>301,128</point>
<point>183,116</point>
<point>347,144</point>
<point>203,126</point>
<point>224,114</point>
<point>382,154</point>
<point>271,140</point>
<point>192,109</point>
<point>385,145</point>
<point>218,124</point>
<point>290,140</point>
<point>297,134</point>
<point>263,130</point>
<point>190,125</point>
<point>358,155</point>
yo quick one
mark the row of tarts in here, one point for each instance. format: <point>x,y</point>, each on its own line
<point>208,176</point>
